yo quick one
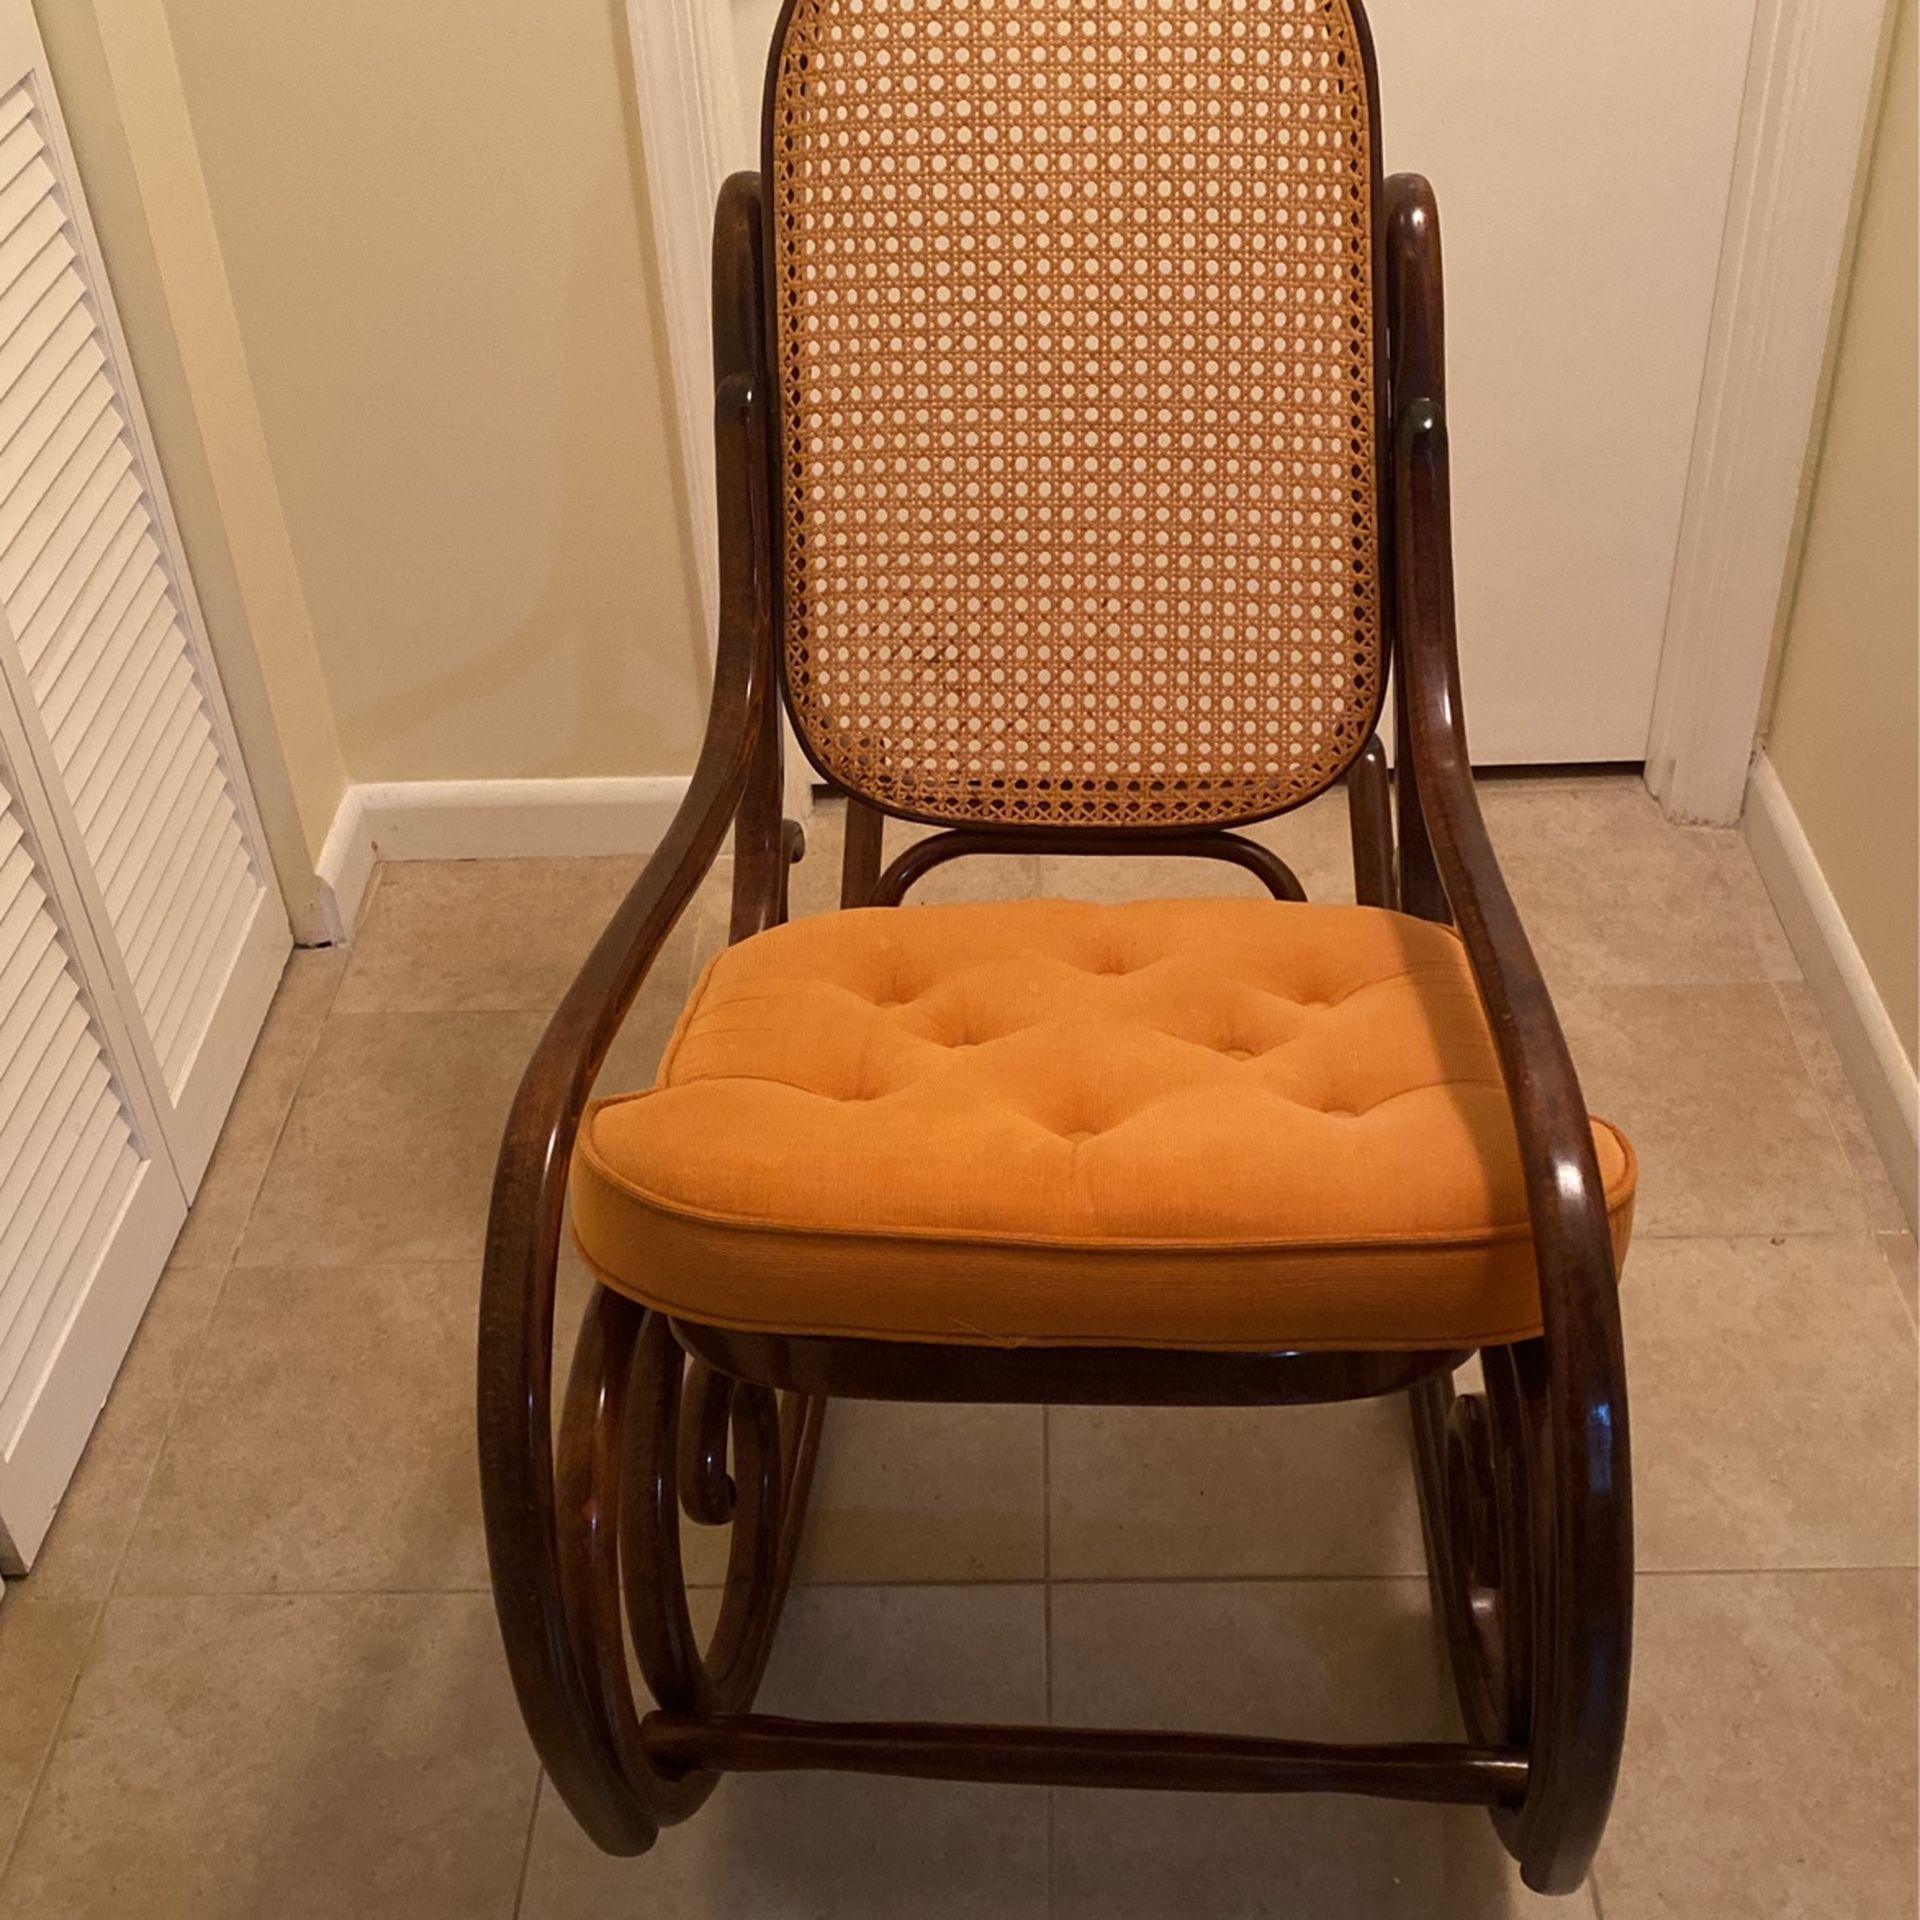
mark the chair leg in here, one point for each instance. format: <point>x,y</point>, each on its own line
<point>860,855</point>
<point>1495,1519</point>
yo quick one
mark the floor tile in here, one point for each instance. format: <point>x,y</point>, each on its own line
<point>102,1502</point>
<point>1707,1083</point>
<point>1897,1250</point>
<point>1822,1061</point>
<point>306,1758</point>
<point>979,877</point>
<point>1772,1385</point>
<point>1113,878</point>
<point>816,881</point>
<point>1313,841</point>
<point>1770,1753</point>
<point>353,1752</point>
<point>474,936</point>
<point>633,1060</point>
<point>388,1154</point>
<point>324,1440</point>
<point>841,1847</point>
<point>261,1103</point>
<point>900,1492</point>
<point>42,1644</point>
<point>1316,841</point>
<point>814,885</point>
<point>708,918</point>
<point>1612,894</point>
<point>1322,1659</point>
<point>926,1493</point>
<point>1157,1493</point>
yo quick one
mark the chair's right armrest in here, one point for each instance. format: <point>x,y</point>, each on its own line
<point>1564,1190</point>
<point>1582,1599</point>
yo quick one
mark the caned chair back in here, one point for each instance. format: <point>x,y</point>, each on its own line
<point>1076,373</point>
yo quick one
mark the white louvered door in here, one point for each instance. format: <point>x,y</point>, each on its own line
<point>89,1199</point>
<point>142,935</point>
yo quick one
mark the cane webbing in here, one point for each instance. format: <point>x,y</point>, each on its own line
<point>1074,316</point>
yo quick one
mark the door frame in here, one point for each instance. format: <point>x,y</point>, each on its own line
<point>1813,76</point>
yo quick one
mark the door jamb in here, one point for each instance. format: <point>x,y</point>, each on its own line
<point>1813,80</point>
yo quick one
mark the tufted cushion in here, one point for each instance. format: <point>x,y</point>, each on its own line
<point>1191,1123</point>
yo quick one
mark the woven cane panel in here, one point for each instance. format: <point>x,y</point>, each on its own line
<point>1075,345</point>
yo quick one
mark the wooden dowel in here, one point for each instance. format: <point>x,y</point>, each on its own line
<point>1086,1757</point>
<point>1370,815</point>
<point>860,853</point>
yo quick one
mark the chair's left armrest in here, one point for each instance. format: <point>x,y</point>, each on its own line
<point>530,1180</point>
<point>1564,1192</point>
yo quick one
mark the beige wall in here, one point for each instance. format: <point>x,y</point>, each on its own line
<point>1843,729</point>
<point>431,220</point>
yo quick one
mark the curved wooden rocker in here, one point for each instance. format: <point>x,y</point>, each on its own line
<point>1523,1486</point>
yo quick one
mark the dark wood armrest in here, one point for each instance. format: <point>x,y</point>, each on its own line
<point>1556,1140</point>
<point>1563,1178</point>
<point>530,1180</point>
<point>1584,1600</point>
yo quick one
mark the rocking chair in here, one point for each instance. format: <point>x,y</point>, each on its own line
<point>1083,488</point>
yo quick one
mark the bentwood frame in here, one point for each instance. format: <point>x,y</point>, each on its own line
<point>1524,1487</point>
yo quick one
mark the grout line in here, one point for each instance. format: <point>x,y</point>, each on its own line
<point>1754,1233</point>
<point>107,1593</point>
<point>939,1583</point>
<point>155,1596</point>
<point>526,1852</point>
<point>1047,1623</point>
<point>322,1017</point>
<point>109,1590</point>
<point>1857,1179</point>
<point>1880,1238</point>
<point>12,1848</point>
<point>1769,1573</point>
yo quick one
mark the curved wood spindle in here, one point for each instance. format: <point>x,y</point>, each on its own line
<point>590,1479</point>
<point>860,853</point>
<point>707,1492</point>
<point>1479,1505</point>
<point>1370,823</point>
<point>915,862</point>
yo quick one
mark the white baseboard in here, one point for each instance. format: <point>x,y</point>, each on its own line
<point>1876,1064</point>
<point>482,820</point>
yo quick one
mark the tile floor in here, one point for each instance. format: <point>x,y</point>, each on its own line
<point>254,1676</point>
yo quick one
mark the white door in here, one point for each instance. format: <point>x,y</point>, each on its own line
<point>146,933</point>
<point>89,1200</point>
<point>1582,157</point>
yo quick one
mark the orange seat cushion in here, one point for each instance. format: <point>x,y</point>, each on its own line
<point>1173,1123</point>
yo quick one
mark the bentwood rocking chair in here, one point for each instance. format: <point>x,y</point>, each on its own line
<point>1083,486</point>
